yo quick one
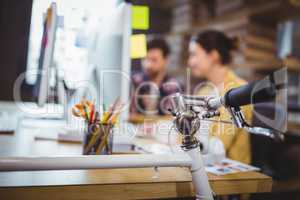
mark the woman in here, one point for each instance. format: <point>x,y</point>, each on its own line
<point>209,57</point>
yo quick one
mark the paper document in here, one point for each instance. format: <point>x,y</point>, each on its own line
<point>228,166</point>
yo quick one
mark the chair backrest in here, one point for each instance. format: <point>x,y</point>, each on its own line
<point>281,160</point>
<point>263,148</point>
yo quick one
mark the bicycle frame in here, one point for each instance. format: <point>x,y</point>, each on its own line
<point>192,159</point>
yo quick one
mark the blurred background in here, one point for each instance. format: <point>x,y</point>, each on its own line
<point>268,35</point>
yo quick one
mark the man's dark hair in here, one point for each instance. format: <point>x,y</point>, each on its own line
<point>160,44</point>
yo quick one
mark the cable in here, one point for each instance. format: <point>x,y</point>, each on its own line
<point>169,139</point>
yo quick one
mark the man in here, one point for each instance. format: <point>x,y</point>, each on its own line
<point>152,86</point>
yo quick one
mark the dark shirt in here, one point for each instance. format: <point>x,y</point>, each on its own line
<point>147,92</point>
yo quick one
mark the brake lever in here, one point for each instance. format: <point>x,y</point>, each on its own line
<point>208,111</point>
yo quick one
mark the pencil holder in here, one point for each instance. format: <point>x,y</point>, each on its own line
<point>98,139</point>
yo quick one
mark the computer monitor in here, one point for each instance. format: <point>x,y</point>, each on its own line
<point>46,55</point>
<point>110,55</point>
<point>42,108</point>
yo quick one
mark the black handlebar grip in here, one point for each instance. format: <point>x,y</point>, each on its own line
<point>251,93</point>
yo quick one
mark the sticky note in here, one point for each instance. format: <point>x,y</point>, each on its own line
<point>140,17</point>
<point>138,46</point>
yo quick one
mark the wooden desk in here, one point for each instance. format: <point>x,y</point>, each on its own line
<point>139,119</point>
<point>142,183</point>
